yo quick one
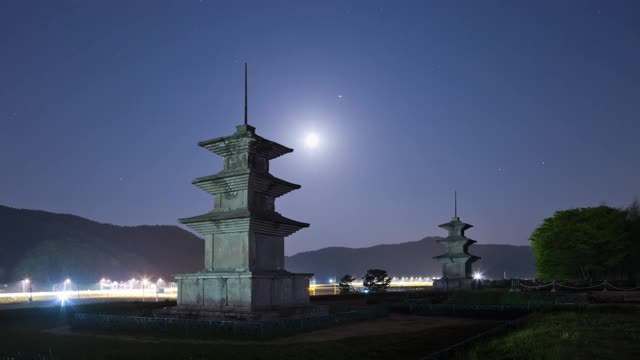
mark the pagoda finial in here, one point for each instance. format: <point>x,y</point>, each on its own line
<point>246,121</point>
<point>455,203</point>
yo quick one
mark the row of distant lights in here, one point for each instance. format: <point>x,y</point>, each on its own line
<point>476,276</point>
<point>396,280</point>
<point>413,279</point>
<point>67,281</point>
<point>28,281</point>
<point>145,281</point>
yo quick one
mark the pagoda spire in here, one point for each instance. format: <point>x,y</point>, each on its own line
<point>246,120</point>
<point>455,203</point>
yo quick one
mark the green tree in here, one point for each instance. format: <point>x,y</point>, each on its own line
<point>345,284</point>
<point>376,280</point>
<point>584,243</point>
<point>633,233</point>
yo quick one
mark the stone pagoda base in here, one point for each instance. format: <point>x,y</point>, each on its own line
<point>242,296</point>
<point>452,284</point>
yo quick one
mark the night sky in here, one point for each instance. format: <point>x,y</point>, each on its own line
<point>524,108</point>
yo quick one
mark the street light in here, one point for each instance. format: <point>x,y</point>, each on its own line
<point>477,279</point>
<point>62,298</point>
<point>158,287</point>
<point>66,282</point>
<point>144,282</point>
<point>26,282</point>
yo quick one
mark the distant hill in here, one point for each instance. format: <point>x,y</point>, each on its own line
<point>410,259</point>
<point>50,247</point>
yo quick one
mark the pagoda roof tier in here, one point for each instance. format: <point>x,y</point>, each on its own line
<point>456,238</point>
<point>453,256</point>
<point>233,221</point>
<point>457,256</point>
<point>245,139</point>
<point>241,179</point>
<point>455,224</point>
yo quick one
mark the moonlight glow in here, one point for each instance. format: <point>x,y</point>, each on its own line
<point>311,140</point>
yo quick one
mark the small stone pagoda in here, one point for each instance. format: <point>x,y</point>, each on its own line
<point>244,275</point>
<point>456,262</point>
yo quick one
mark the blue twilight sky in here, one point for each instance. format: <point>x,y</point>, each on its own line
<point>524,107</point>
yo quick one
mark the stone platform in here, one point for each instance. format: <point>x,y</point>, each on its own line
<point>452,284</point>
<point>242,295</point>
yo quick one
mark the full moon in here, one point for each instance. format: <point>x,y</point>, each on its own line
<point>311,140</point>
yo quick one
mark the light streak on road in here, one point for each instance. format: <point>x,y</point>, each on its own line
<point>113,291</point>
<point>86,294</point>
<point>397,284</point>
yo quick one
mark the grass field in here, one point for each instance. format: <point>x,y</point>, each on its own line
<point>22,337</point>
<point>502,297</point>
<point>606,332</point>
<point>587,332</point>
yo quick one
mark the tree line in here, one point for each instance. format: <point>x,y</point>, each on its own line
<point>594,243</point>
<point>374,281</point>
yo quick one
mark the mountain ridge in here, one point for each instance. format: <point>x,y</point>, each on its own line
<point>52,246</point>
<point>413,258</point>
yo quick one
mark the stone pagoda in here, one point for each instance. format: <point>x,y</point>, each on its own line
<point>244,275</point>
<point>456,262</point>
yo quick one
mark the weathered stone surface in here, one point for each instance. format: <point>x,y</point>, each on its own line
<point>456,262</point>
<point>244,274</point>
<point>243,291</point>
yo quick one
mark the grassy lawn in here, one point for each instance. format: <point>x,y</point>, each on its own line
<point>600,332</point>
<point>502,297</point>
<point>21,337</point>
<point>591,333</point>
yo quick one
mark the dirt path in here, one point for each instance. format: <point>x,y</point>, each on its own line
<point>394,323</point>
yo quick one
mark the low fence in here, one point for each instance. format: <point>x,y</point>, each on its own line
<point>422,308</point>
<point>553,286</point>
<point>186,327</point>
